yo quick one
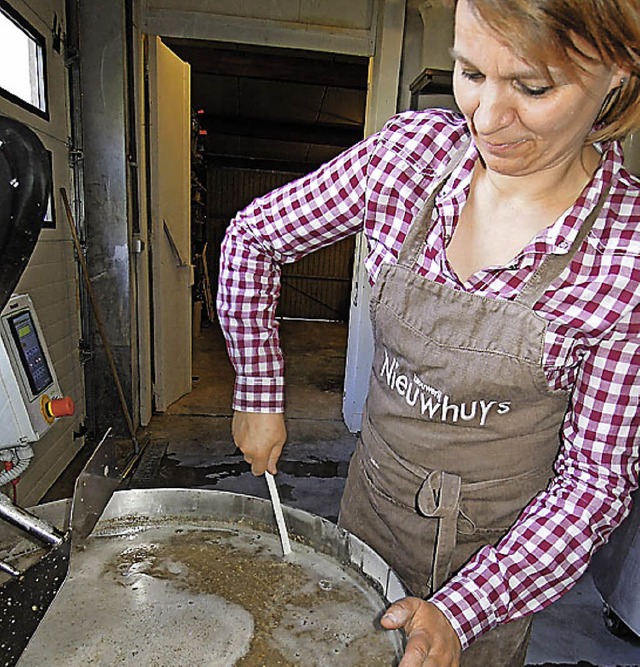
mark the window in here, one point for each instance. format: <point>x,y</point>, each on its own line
<point>22,62</point>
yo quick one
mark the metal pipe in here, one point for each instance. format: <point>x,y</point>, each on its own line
<point>28,522</point>
<point>5,567</point>
<point>76,162</point>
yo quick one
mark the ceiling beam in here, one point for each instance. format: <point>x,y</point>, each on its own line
<point>318,71</point>
<point>258,128</point>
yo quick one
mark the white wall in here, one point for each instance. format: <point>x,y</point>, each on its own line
<point>428,37</point>
<point>51,278</point>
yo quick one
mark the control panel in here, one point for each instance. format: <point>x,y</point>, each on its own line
<point>30,398</point>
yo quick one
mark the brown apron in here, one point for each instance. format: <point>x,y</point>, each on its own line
<point>460,429</point>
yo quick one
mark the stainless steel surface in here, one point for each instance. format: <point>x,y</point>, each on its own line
<point>144,589</point>
<point>94,487</point>
<point>105,164</point>
<point>5,567</point>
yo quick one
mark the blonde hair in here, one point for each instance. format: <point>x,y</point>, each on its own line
<point>548,31</point>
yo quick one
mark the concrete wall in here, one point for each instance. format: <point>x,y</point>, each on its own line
<point>326,25</point>
<point>317,13</point>
<point>427,38</point>
<point>51,277</point>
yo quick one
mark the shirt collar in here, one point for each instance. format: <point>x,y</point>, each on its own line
<point>457,185</point>
<point>558,237</point>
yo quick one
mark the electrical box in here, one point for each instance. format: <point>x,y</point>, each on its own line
<point>30,398</point>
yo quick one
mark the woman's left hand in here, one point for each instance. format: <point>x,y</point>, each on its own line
<point>431,640</point>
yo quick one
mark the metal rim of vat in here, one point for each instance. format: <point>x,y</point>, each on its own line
<point>320,534</point>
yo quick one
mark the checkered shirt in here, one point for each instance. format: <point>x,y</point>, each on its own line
<point>591,345</point>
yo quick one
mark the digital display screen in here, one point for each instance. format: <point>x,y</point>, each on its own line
<point>31,353</point>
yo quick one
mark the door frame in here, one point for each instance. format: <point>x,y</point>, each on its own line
<point>382,103</point>
<point>382,44</point>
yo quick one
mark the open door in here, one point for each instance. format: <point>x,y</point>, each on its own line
<point>170,238</point>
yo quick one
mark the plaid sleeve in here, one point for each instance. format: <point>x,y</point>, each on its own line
<point>281,227</point>
<point>315,211</point>
<point>550,545</point>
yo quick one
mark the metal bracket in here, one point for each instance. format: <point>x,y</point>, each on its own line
<point>95,485</point>
<point>431,82</point>
<point>76,155</point>
<point>137,245</point>
<point>86,352</point>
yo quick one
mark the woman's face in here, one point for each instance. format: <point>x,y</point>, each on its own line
<point>520,121</point>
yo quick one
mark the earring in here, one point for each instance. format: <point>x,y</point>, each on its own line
<point>623,81</point>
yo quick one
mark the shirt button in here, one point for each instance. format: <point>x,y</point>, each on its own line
<point>564,245</point>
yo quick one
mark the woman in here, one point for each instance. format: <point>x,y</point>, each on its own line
<point>499,444</point>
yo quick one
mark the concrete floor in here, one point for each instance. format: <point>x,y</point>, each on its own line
<point>190,446</point>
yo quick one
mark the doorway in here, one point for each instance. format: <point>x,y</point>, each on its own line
<point>262,117</point>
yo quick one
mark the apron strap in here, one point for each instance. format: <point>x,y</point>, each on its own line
<point>553,265</point>
<point>439,498</point>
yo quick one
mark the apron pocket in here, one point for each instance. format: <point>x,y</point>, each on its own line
<point>397,532</point>
<point>491,507</point>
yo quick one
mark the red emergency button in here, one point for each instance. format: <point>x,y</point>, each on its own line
<point>62,407</point>
<point>52,408</point>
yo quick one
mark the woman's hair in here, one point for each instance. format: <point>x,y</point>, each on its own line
<point>548,31</point>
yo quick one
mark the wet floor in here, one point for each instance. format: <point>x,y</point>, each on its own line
<point>191,446</point>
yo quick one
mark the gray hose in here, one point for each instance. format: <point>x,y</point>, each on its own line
<point>7,476</point>
<point>23,455</point>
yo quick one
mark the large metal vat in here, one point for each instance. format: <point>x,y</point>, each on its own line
<point>616,573</point>
<point>197,577</point>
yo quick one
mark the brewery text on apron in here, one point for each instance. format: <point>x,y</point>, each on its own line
<point>460,429</point>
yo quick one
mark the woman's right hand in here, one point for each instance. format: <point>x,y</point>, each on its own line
<point>260,436</point>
